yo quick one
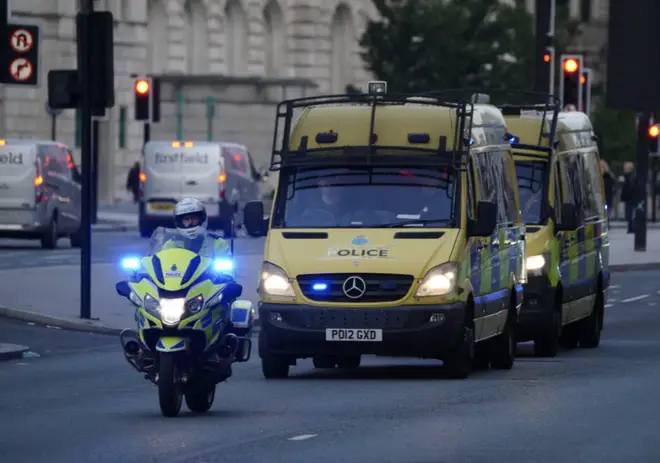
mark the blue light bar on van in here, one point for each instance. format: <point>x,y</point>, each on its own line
<point>320,287</point>
<point>223,265</point>
<point>130,263</point>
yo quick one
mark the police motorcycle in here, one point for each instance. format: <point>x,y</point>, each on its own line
<point>191,326</point>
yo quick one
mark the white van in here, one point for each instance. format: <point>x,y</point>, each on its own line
<point>173,170</point>
<point>39,192</point>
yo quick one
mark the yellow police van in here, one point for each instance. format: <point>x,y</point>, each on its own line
<point>563,206</point>
<point>395,231</point>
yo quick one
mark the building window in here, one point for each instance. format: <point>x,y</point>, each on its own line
<point>585,10</point>
<point>122,128</point>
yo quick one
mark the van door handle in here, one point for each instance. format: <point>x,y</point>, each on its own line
<point>191,183</point>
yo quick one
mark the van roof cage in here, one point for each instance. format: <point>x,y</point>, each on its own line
<point>370,153</point>
<point>516,103</point>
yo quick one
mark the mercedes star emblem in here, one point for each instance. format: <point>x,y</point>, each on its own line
<point>354,287</point>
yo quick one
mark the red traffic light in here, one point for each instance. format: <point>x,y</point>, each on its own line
<point>142,87</point>
<point>654,131</point>
<point>571,65</point>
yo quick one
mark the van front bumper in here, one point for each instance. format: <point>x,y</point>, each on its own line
<point>299,331</point>
<point>535,316</point>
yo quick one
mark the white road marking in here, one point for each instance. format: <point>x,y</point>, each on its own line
<point>636,298</point>
<point>608,305</point>
<point>612,300</point>
<point>653,303</point>
<point>615,286</point>
<point>302,437</point>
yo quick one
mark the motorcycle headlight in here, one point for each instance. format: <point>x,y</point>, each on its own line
<point>535,264</point>
<point>171,310</point>
<point>151,304</point>
<point>439,281</point>
<point>274,281</point>
<point>194,305</point>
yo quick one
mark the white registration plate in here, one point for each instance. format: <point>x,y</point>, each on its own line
<point>353,335</point>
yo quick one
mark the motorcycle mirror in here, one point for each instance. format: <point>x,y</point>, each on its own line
<point>123,289</point>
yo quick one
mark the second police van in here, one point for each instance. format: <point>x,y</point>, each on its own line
<point>395,231</point>
<point>563,205</point>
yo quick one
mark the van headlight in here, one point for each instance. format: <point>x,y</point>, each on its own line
<point>274,281</point>
<point>438,281</point>
<point>171,310</point>
<point>535,264</point>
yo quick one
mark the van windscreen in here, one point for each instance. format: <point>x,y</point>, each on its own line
<point>531,177</point>
<point>368,197</point>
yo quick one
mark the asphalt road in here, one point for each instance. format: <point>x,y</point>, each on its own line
<point>107,247</point>
<point>79,401</point>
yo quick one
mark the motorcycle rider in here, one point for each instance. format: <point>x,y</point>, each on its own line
<point>191,221</point>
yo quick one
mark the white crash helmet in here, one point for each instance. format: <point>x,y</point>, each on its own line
<point>186,208</point>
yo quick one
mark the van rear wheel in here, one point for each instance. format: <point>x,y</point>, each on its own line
<point>51,234</point>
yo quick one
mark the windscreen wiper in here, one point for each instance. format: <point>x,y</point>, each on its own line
<point>413,222</point>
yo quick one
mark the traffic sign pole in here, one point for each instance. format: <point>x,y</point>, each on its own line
<point>85,80</point>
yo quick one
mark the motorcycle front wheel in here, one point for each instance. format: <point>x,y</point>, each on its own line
<point>170,395</point>
<point>200,399</point>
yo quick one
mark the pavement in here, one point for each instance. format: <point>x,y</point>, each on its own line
<point>75,399</point>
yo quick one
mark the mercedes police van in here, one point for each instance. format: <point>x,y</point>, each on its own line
<point>563,205</point>
<point>395,231</point>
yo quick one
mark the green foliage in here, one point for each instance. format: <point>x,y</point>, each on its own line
<point>617,134</point>
<point>424,45</point>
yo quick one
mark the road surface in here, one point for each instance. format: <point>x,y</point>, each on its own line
<point>79,401</point>
<point>107,247</point>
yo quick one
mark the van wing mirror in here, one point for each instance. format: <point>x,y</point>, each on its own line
<point>568,220</point>
<point>486,221</point>
<point>255,224</point>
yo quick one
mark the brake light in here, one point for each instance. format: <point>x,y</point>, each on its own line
<point>38,192</point>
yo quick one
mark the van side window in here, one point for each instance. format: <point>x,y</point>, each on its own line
<point>51,161</point>
<point>236,160</point>
<point>470,190</point>
<point>595,199</point>
<point>509,180</point>
<point>489,167</point>
<point>570,180</point>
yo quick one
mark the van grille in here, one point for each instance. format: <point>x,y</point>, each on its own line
<point>379,287</point>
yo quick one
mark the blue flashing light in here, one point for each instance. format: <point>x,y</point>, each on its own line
<point>130,263</point>
<point>223,265</point>
<point>320,286</point>
<point>512,138</point>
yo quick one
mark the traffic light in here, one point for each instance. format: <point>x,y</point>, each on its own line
<point>570,89</point>
<point>585,83</point>
<point>142,88</point>
<point>654,133</point>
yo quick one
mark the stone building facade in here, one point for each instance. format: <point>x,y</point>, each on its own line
<point>225,64</point>
<point>238,56</point>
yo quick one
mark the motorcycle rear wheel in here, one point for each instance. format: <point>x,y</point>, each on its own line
<point>170,395</point>
<point>200,399</point>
